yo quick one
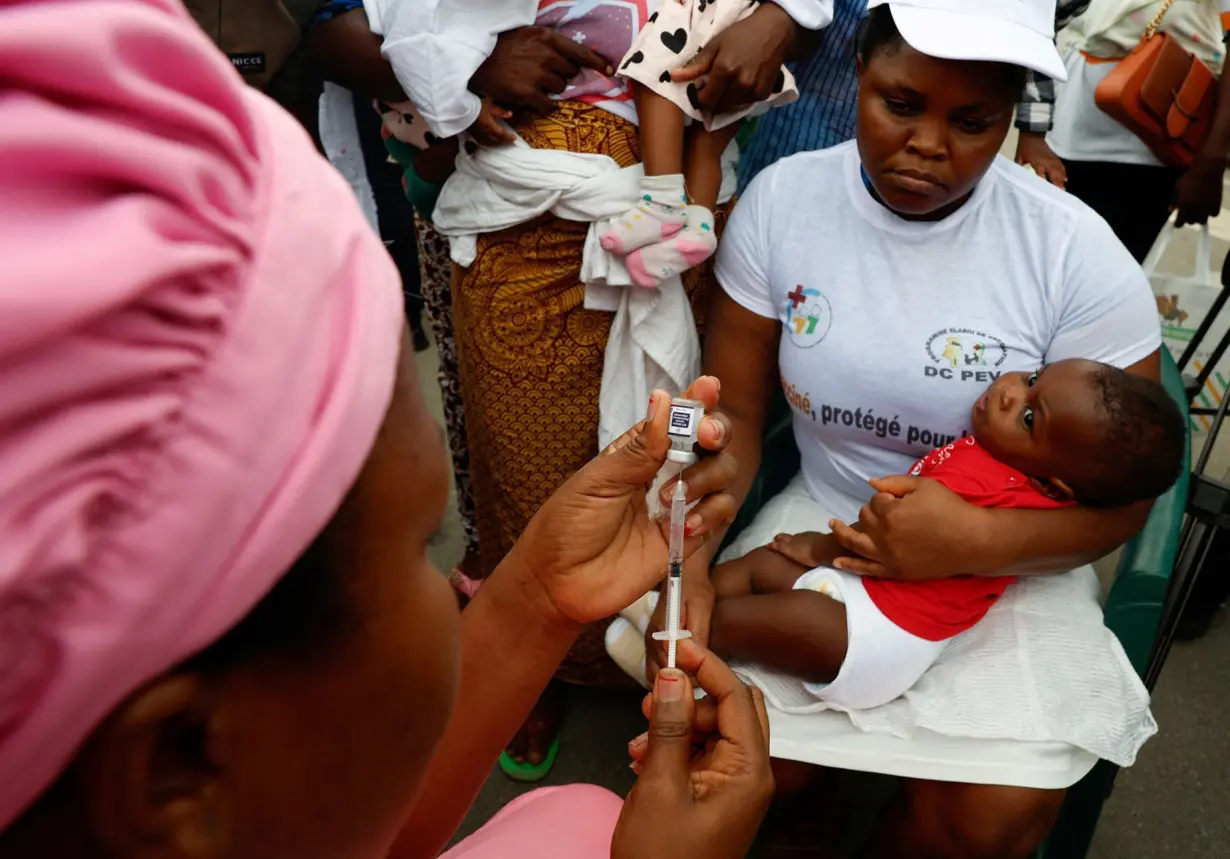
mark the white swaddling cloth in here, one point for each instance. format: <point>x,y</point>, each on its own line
<point>1040,668</point>
<point>653,341</point>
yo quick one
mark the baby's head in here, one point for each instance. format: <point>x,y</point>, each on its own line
<point>1085,431</point>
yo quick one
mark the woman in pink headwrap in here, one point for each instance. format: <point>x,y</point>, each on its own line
<point>220,636</point>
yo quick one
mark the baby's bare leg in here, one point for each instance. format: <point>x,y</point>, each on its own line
<point>702,162</point>
<point>800,632</point>
<point>661,132</point>
<point>659,212</point>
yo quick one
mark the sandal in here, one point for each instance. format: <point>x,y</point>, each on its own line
<point>546,717</point>
<point>527,772</point>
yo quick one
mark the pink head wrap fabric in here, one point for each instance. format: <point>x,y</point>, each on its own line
<point>198,342</point>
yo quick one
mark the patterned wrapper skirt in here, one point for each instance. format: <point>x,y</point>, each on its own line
<point>530,359</point>
<point>437,271</point>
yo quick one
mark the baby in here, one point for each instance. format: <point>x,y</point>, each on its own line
<point>1074,432</point>
<point>664,235</point>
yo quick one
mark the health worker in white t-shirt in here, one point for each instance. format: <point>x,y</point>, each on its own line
<point>888,282</point>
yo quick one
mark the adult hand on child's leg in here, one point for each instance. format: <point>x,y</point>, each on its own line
<point>740,66</point>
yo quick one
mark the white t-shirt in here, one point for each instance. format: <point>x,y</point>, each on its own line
<point>891,329</point>
<point>1082,131</point>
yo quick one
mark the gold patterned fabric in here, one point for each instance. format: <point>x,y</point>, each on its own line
<point>531,358</point>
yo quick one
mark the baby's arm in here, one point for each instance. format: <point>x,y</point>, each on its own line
<point>810,548</point>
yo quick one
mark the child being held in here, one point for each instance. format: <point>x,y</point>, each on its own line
<point>1075,432</point>
<point>671,228</point>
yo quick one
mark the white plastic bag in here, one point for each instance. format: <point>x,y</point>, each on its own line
<point>1182,304</point>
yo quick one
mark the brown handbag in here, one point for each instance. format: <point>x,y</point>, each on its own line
<point>1163,94</point>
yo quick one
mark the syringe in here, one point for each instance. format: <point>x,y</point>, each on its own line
<point>674,575</point>
<point>682,428</point>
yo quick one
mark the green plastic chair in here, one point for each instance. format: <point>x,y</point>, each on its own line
<point>1133,613</point>
<point>1133,607</point>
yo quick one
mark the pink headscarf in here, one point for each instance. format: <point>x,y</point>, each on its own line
<point>198,340</point>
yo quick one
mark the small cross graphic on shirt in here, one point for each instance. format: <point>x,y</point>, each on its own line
<point>796,297</point>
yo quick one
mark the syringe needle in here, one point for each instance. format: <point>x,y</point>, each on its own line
<point>674,576</point>
<point>679,517</point>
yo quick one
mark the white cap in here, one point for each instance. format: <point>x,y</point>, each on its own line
<point>1020,32</point>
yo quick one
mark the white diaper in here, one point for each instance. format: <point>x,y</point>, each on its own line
<point>883,661</point>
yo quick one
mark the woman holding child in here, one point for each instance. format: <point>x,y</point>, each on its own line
<point>887,283</point>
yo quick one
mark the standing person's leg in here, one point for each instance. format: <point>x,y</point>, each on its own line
<point>1134,199</point>
<point>437,291</point>
<point>947,820</point>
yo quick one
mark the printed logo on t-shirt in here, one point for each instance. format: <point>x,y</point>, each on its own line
<point>964,355</point>
<point>808,316</point>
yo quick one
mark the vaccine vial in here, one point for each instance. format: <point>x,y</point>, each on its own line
<point>682,429</point>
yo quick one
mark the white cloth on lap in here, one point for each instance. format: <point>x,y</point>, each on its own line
<point>1041,667</point>
<point>653,341</point>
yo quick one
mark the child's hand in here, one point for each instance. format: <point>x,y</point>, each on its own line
<point>487,129</point>
<point>811,548</point>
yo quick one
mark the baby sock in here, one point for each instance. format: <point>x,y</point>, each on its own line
<point>694,244</point>
<point>657,216</point>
